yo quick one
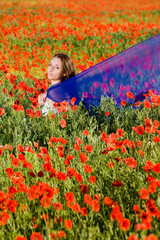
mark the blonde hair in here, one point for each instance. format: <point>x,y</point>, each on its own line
<point>68,69</point>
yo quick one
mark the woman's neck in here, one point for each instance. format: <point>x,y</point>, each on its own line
<point>54,82</point>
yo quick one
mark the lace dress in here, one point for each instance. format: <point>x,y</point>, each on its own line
<point>46,108</point>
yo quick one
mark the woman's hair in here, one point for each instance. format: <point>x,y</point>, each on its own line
<point>67,65</point>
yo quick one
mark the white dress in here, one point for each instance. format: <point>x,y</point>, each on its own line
<point>46,108</point>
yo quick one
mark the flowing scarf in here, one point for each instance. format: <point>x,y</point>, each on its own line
<point>135,70</point>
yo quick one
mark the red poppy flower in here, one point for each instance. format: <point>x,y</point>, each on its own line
<point>84,211</point>
<point>63,123</point>
<point>32,174</point>
<point>156,139</point>
<point>57,206</point>
<point>139,130</point>
<point>84,188</point>
<point>117,183</point>
<point>133,237</point>
<point>130,95</point>
<point>15,162</point>
<point>77,147</point>
<point>87,199</point>
<point>35,105</point>
<point>110,164</point>
<point>95,205</point>
<point>20,238</point>
<point>107,114</point>
<point>76,207</point>
<point>73,100</point>
<point>87,168</point>
<point>62,140</point>
<point>92,179</point>
<point>151,237</point>
<point>123,103</point>
<point>144,194</point>
<point>61,176</point>
<point>125,224</point>
<point>20,148</point>
<point>78,141</point>
<point>36,236</point>
<point>83,157</point>
<point>88,148</point>
<point>9,172</point>
<point>3,218</point>
<point>108,201</point>
<point>70,197</point>
<point>119,133</point>
<point>40,174</point>
<point>2,111</point>
<point>131,162</point>
<point>38,113</point>
<point>146,103</point>
<point>47,167</point>
<point>85,132</point>
<point>68,223</point>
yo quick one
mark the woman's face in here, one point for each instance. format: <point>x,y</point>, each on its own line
<point>55,70</point>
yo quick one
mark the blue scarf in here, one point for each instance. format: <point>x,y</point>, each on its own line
<point>135,70</point>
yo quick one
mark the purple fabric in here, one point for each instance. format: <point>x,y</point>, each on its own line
<point>135,70</point>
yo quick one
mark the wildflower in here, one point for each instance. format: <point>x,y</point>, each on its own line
<point>15,162</point>
<point>20,238</point>
<point>123,103</point>
<point>45,201</point>
<point>2,111</point>
<point>9,172</point>
<point>92,179</point>
<point>78,141</point>
<point>84,188</point>
<point>130,95</point>
<point>131,162</point>
<point>61,176</point>
<point>151,237</point>
<point>47,167</point>
<point>32,174</point>
<point>125,224</point>
<point>63,123</point>
<point>70,197</point>
<point>107,114</point>
<point>110,164</point>
<point>84,211</point>
<point>36,236</point>
<point>3,218</point>
<point>139,130</point>
<point>119,133</point>
<point>144,194</point>
<point>85,132</point>
<point>156,139</point>
<point>117,183</point>
<point>83,157</point>
<point>87,168</point>
<point>146,103</point>
<point>95,205</point>
<point>108,201</point>
<point>77,147</point>
<point>88,148</point>
<point>133,237</point>
<point>38,113</point>
<point>57,206</point>
<point>76,207</point>
<point>87,199</point>
<point>68,224</point>
<point>40,174</point>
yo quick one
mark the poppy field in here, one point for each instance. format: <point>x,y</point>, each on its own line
<point>72,175</point>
